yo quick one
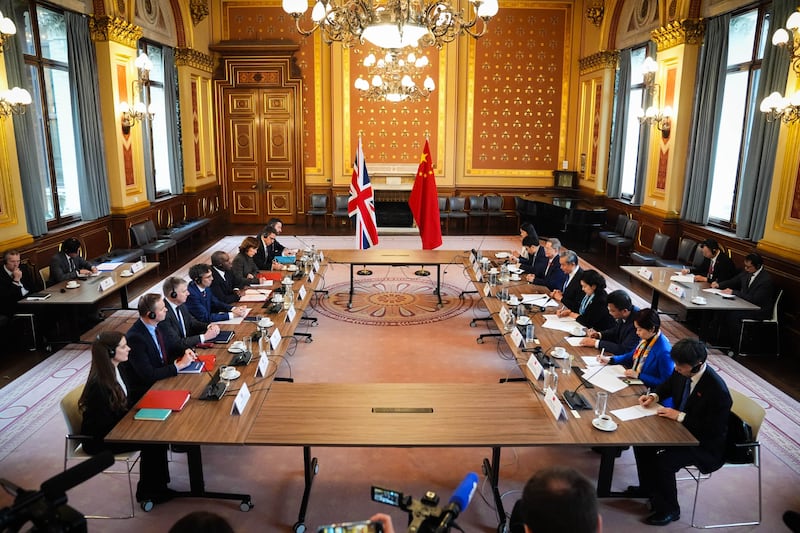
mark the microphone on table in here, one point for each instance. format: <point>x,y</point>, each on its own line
<point>458,501</point>
<point>575,400</point>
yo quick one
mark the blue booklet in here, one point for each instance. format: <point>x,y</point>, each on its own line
<point>195,368</point>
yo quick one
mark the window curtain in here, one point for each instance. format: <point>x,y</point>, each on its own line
<point>760,160</point>
<point>621,103</point>
<point>172,108</point>
<point>32,177</point>
<point>90,156</point>
<point>644,144</point>
<point>149,170</point>
<point>706,110</point>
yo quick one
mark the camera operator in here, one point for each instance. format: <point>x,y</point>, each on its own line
<point>385,521</point>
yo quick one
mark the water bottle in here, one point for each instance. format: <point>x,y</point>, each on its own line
<point>510,322</point>
<point>504,276</point>
<point>528,334</point>
<point>288,298</point>
<point>263,343</point>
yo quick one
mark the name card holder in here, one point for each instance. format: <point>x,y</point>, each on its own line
<point>553,404</point>
<point>275,339</point>
<point>646,274</point>
<point>311,276</point>
<point>321,256</point>
<point>263,365</point>
<point>517,337</point>
<point>478,275</point>
<point>487,290</point>
<point>106,283</point>
<point>240,402</point>
<point>316,266</point>
<point>291,313</point>
<point>302,292</point>
<point>535,366</point>
<point>472,258</point>
<point>136,267</point>
<point>504,314</point>
<point>676,290</point>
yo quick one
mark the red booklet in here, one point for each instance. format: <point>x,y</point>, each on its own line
<point>164,399</point>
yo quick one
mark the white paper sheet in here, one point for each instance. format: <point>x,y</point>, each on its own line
<point>107,267</point>
<point>573,341</point>
<point>236,319</point>
<point>565,324</point>
<point>253,296</point>
<point>635,411</point>
<point>608,378</point>
<point>682,278</point>
<point>542,300</point>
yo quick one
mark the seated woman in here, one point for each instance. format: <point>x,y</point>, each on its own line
<point>104,402</point>
<point>244,267</point>
<point>593,310</point>
<point>650,361</point>
<point>525,230</point>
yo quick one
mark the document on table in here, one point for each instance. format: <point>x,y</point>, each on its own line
<point>255,296</point>
<point>713,291</point>
<point>682,278</point>
<point>564,323</point>
<point>542,300</point>
<point>590,360</point>
<point>608,378</point>
<point>635,411</point>
<point>574,341</point>
<point>236,319</point>
<point>107,267</point>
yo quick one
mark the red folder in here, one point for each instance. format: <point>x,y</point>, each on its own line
<point>164,399</point>
<point>209,359</point>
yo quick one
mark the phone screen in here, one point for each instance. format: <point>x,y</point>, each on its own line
<point>389,497</point>
<point>365,526</point>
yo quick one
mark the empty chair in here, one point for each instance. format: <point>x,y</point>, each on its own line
<point>477,208</point>
<point>444,216</point>
<point>757,336</point>
<point>660,242</point>
<point>626,241</point>
<point>144,236</point>
<point>73,445</point>
<point>44,273</point>
<point>619,229</point>
<point>457,210</point>
<point>685,250</point>
<point>494,208</point>
<point>341,211</point>
<point>319,208</point>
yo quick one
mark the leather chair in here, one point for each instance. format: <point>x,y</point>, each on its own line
<point>340,210</point>
<point>686,248</point>
<point>457,210</point>
<point>319,208</point>
<point>144,236</point>
<point>659,246</point>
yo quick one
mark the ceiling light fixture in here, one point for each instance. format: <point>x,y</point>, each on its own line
<point>392,79</point>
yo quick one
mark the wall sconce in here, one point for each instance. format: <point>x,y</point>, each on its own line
<point>7,30</point>
<point>775,106</point>
<point>13,102</point>
<point>140,110</point>
<point>654,115</point>
<point>789,39</point>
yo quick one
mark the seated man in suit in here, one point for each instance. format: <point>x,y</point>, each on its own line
<point>571,294</point>
<point>223,285</point>
<point>278,247</point>
<point>266,253</point>
<point>67,264</point>
<point>716,267</point>
<point>15,283</point>
<point>202,303</point>
<point>149,359</point>
<point>536,261</point>
<point>703,405</point>
<point>553,277</point>
<point>621,337</point>
<point>180,329</point>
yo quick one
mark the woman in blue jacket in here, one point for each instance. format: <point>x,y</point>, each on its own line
<point>650,361</point>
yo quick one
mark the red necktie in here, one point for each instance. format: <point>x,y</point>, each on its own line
<point>162,351</point>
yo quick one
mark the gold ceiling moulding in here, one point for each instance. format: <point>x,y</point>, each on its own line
<point>192,58</point>
<point>605,59</point>
<point>199,9</point>
<point>114,29</point>
<point>686,31</point>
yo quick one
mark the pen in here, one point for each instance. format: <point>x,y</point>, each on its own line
<point>602,351</point>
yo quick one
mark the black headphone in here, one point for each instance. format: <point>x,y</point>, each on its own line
<point>151,315</point>
<point>174,293</point>
<point>112,350</point>
<point>696,368</point>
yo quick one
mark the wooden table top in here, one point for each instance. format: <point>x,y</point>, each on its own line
<point>382,256</point>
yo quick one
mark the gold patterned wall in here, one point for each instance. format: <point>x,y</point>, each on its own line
<point>518,75</point>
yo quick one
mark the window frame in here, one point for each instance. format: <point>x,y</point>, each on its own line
<point>641,150</point>
<point>144,45</point>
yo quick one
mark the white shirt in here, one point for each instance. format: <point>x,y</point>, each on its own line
<point>120,380</point>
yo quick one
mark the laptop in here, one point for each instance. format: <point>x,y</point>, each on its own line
<point>224,337</point>
<point>216,389</point>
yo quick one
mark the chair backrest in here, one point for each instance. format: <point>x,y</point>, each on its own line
<point>456,203</point>
<point>698,258</point>
<point>341,201</point>
<point>150,229</point>
<point>685,249</point>
<point>748,410</point>
<point>319,201</point>
<point>139,233</point>
<point>775,307</point>
<point>476,203</point>
<point>71,411</point>
<point>631,227</point>
<point>622,221</point>
<point>494,203</point>
<point>660,242</point>
<point>44,273</point>
<point>442,204</point>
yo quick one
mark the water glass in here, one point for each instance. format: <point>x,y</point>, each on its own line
<point>528,334</point>
<point>143,259</point>
<point>492,278</point>
<point>662,276</point>
<point>504,294</point>
<point>248,343</point>
<point>550,379</point>
<point>564,365</point>
<point>601,404</point>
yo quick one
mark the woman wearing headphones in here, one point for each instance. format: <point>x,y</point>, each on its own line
<point>104,402</point>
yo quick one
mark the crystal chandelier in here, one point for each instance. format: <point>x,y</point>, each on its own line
<point>392,24</point>
<point>392,78</point>
<point>776,106</point>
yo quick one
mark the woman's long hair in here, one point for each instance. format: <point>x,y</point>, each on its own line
<point>102,371</point>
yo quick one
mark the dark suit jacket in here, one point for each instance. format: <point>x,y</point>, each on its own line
<point>596,315</point>
<point>170,329</point>
<point>59,267</point>
<point>707,411</point>
<point>10,292</point>
<point>242,266</point>
<point>263,258</point>
<point>573,294</point>
<point>206,308</point>
<point>724,269</point>
<point>554,277</point>
<point>761,292</point>
<point>536,264</point>
<point>621,337</point>
<point>223,288</point>
<point>98,416</point>
<point>144,365</point>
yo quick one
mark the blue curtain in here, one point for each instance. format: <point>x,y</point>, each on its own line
<point>706,110</point>
<point>32,175</point>
<point>90,156</point>
<point>621,103</point>
<point>172,109</point>
<point>760,160</point>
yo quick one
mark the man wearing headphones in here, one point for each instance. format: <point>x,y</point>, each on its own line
<point>180,329</point>
<point>67,264</point>
<point>703,406</point>
<point>202,303</point>
<point>149,359</point>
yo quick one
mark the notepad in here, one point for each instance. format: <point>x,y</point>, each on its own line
<point>195,367</point>
<point>152,414</point>
<point>164,399</point>
<point>36,296</point>
<point>223,337</point>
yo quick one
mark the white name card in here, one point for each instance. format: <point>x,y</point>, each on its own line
<point>302,293</point>
<point>645,273</point>
<point>476,267</point>
<point>275,339</point>
<point>517,337</point>
<point>535,366</point>
<point>136,267</point>
<point>478,275</point>
<point>554,405</point>
<point>291,313</point>
<point>321,256</point>
<point>106,283</point>
<point>504,316</point>
<point>316,266</point>
<point>263,365</point>
<point>677,290</point>
<point>472,258</point>
<point>311,276</point>
<point>487,290</point>
<point>240,402</point>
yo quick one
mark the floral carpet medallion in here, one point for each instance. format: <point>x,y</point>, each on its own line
<point>393,302</point>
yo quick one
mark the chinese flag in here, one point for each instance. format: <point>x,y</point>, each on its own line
<point>424,202</point>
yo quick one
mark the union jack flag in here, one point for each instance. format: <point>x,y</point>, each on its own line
<point>361,203</point>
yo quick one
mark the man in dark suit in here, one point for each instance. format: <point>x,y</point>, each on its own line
<point>67,264</point>
<point>202,303</point>
<point>553,277</point>
<point>703,405</point>
<point>180,329</point>
<point>571,294</point>
<point>266,253</point>
<point>149,360</point>
<point>716,266</point>
<point>621,338</point>
<point>222,284</point>
<point>537,261</point>
<point>15,283</point>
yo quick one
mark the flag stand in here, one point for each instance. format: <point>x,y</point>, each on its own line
<point>364,271</point>
<point>422,272</point>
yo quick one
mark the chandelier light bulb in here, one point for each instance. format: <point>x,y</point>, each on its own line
<point>7,26</point>
<point>369,60</point>
<point>319,12</point>
<point>793,22</point>
<point>780,37</point>
<point>649,65</point>
<point>377,81</point>
<point>421,62</point>
<point>487,9</point>
<point>795,99</point>
<point>667,112</point>
<point>430,86</point>
<point>407,82</point>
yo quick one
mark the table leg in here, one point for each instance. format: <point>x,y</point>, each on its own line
<point>123,297</point>
<point>350,300</point>
<point>310,469</point>
<point>492,470</point>
<point>439,283</point>
<point>654,302</point>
